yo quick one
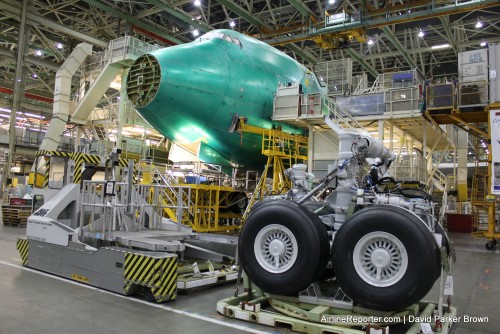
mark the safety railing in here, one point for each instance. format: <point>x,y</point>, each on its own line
<point>151,201</point>
<point>105,204</point>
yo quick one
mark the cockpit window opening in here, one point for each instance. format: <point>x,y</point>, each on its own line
<point>233,40</point>
<point>211,35</point>
<point>237,42</point>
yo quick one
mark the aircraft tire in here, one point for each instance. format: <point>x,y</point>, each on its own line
<point>385,258</point>
<point>283,247</point>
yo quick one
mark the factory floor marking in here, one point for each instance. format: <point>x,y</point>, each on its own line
<point>163,307</point>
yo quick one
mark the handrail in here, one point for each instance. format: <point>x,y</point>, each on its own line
<point>340,115</point>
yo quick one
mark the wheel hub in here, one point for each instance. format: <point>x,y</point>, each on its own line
<point>380,259</point>
<point>275,248</point>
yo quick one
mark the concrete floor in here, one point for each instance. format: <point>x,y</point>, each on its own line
<point>33,302</point>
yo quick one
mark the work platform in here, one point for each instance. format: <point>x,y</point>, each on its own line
<point>311,111</point>
<point>319,318</point>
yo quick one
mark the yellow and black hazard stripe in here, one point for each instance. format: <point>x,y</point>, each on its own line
<point>47,173</point>
<point>47,154</point>
<point>22,247</point>
<point>122,162</point>
<point>135,178</point>
<point>165,280</point>
<point>157,273</point>
<point>54,153</point>
<point>79,158</point>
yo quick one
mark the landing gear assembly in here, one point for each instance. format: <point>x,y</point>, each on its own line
<point>379,248</point>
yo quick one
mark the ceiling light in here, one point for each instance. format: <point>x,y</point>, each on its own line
<point>479,24</point>
<point>33,115</point>
<point>232,24</point>
<point>421,33</point>
<point>197,3</point>
<point>59,46</point>
<point>195,32</point>
<point>440,46</point>
<point>34,75</point>
<point>370,42</point>
<point>38,53</point>
<point>483,43</point>
<point>331,2</point>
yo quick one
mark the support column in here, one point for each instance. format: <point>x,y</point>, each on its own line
<point>310,148</point>
<point>391,137</point>
<point>18,86</point>
<point>424,140</point>
<point>121,108</point>
<point>461,158</point>
<point>78,138</point>
<point>381,130</point>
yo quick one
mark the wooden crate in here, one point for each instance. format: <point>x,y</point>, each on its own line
<point>15,214</point>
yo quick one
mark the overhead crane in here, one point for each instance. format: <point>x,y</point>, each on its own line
<point>329,35</point>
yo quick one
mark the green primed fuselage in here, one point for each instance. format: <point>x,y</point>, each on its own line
<point>203,84</point>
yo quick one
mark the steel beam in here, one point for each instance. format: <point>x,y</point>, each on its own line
<point>18,84</point>
<point>262,25</point>
<point>385,21</point>
<point>399,47</point>
<point>30,60</point>
<point>243,13</point>
<point>362,61</point>
<point>446,26</point>
<point>184,18</point>
<point>303,9</point>
<point>133,20</point>
<point>15,9</point>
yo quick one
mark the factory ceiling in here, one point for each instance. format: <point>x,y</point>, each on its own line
<point>379,36</point>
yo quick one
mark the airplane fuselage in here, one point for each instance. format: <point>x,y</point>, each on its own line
<point>191,92</point>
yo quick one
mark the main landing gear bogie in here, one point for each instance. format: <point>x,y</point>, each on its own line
<point>384,257</point>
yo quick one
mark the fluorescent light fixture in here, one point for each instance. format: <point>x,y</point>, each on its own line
<point>34,75</point>
<point>59,46</point>
<point>421,33</point>
<point>232,24</point>
<point>34,115</point>
<point>440,46</point>
<point>483,43</point>
<point>331,2</point>
<point>197,3</point>
<point>195,32</point>
<point>479,24</point>
<point>370,42</point>
<point>5,109</point>
<point>38,53</point>
<point>4,116</point>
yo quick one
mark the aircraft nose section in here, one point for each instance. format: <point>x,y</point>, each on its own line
<point>143,80</point>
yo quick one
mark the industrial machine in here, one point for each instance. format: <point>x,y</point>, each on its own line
<point>358,233</point>
<point>111,233</point>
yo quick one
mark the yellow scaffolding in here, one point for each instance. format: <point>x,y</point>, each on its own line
<point>282,150</point>
<point>209,205</point>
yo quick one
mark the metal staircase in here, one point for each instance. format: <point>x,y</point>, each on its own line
<point>168,198</point>
<point>338,118</point>
<point>101,69</point>
<point>99,131</point>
